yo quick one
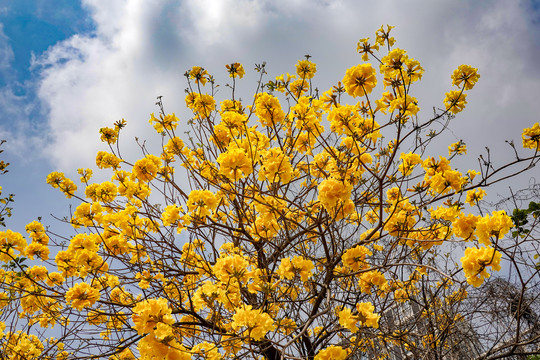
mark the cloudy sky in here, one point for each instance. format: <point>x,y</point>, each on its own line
<point>68,68</point>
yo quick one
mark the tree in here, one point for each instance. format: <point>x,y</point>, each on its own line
<point>322,231</point>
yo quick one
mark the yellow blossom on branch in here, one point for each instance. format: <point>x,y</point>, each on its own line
<point>82,295</point>
<point>235,164</point>
<point>476,261</point>
<point>254,323</point>
<point>235,70</point>
<point>455,101</point>
<point>360,80</point>
<point>531,137</point>
<point>305,69</point>
<point>332,352</point>
<point>268,110</point>
<point>466,75</point>
<point>149,313</point>
<point>198,74</point>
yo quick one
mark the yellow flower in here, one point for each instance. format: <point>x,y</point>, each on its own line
<point>366,315</point>
<point>531,137</point>
<point>332,352</point>
<point>198,74</point>
<point>360,80</point>
<point>455,101</point>
<point>384,36</point>
<point>125,354</point>
<point>107,160</point>
<point>392,64</point>
<point>355,258</point>
<point>333,191</point>
<point>255,322</point>
<point>148,313</point>
<point>230,105</point>
<point>384,102</point>
<point>473,196</point>
<point>475,262</point>
<point>109,135</point>
<point>167,122</point>
<point>408,162</point>
<point>174,146</point>
<point>364,47</point>
<point>285,269</point>
<point>303,267</point>
<point>268,109</point>
<point>58,180</point>
<point>146,168</point>
<point>55,278</point>
<point>87,214</point>
<point>457,148</point>
<point>201,104</point>
<point>37,249</point>
<point>202,203</point>
<point>20,345</point>
<point>206,351</point>
<point>370,279</point>
<point>275,166</point>
<point>106,192</point>
<point>82,295</point>
<point>234,266</point>
<point>36,231</point>
<point>467,75</point>
<point>413,70</point>
<point>344,119</point>
<point>234,164</point>
<point>306,69</point>
<point>472,174</point>
<point>440,177</point>
<point>405,105</point>
<point>163,331</point>
<point>288,268</point>
<point>9,242</point>
<point>299,87</point>
<point>233,121</point>
<point>497,225</point>
<point>464,226</point>
<point>348,320</point>
<point>86,174</point>
<point>170,215</point>
<point>151,348</point>
<point>235,69</point>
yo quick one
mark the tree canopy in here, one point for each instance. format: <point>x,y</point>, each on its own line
<point>320,229</point>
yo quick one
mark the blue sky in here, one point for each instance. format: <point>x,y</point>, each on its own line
<point>27,29</point>
<point>32,26</point>
<point>68,68</point>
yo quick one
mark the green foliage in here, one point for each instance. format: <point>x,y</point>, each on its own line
<point>520,218</point>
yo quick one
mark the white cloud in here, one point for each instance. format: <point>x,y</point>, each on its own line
<point>90,82</point>
<point>6,52</point>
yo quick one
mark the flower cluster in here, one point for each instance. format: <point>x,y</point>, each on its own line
<point>82,295</point>
<point>254,322</point>
<point>365,316</point>
<point>465,77</point>
<point>531,137</point>
<point>477,260</point>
